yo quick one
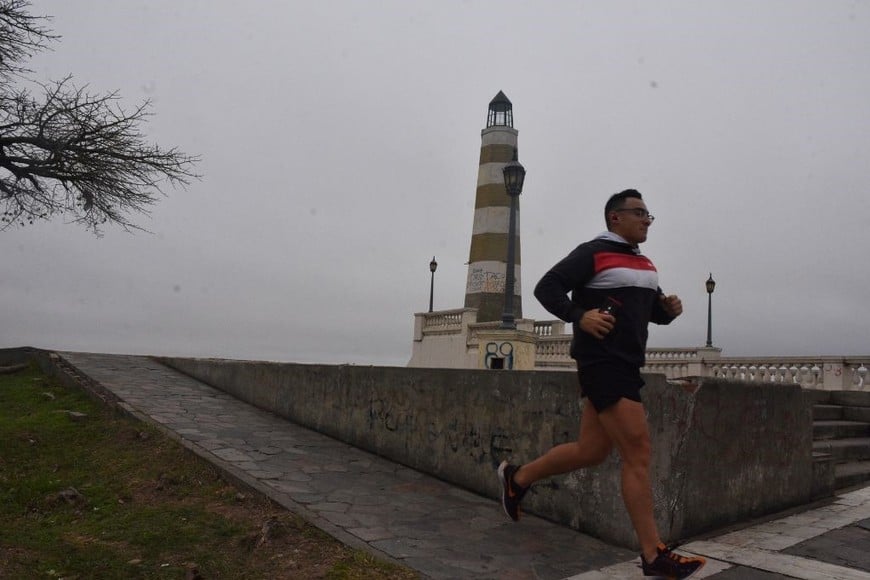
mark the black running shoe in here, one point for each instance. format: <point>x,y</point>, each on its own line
<point>671,566</point>
<point>511,493</point>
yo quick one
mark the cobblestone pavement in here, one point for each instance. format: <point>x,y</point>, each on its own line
<point>431,526</point>
<point>831,541</point>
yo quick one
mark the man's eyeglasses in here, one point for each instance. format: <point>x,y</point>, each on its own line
<point>639,212</point>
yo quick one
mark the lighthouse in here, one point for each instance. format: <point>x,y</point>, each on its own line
<point>488,256</point>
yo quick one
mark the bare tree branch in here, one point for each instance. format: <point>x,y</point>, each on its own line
<point>68,151</point>
<point>21,35</point>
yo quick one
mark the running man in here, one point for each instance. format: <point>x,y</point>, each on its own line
<point>614,296</point>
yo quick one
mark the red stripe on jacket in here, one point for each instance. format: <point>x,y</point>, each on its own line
<point>608,260</point>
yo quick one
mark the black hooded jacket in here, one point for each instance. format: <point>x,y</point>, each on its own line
<point>606,269</point>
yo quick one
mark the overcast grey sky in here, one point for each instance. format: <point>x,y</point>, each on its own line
<point>340,143</point>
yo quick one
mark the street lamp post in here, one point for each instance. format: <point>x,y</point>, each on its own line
<point>711,285</point>
<point>514,176</point>
<point>433,265</point>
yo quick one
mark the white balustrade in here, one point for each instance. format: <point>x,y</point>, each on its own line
<point>858,376</point>
<point>553,350</point>
<point>443,320</point>
<point>550,328</point>
<point>825,372</point>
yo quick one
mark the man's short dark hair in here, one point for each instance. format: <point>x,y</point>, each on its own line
<point>617,200</point>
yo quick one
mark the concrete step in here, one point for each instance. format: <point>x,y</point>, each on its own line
<point>827,412</point>
<point>851,449</point>
<point>853,473</point>
<point>839,429</point>
<point>856,414</point>
<point>850,398</point>
<point>819,396</point>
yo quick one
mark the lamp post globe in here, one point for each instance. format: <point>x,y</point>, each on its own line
<point>514,177</point>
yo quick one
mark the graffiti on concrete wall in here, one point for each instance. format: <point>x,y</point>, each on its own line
<point>499,355</point>
<point>481,280</point>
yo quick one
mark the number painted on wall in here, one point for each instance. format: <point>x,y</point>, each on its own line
<point>499,351</point>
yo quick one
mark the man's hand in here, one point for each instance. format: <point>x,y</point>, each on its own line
<point>597,323</point>
<point>672,304</point>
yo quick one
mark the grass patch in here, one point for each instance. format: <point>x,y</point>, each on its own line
<point>88,493</point>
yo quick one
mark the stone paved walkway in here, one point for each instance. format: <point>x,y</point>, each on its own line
<point>431,526</point>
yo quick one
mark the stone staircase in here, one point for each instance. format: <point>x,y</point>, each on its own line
<point>841,429</point>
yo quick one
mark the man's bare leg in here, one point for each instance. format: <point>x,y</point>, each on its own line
<point>625,424</point>
<point>593,445</point>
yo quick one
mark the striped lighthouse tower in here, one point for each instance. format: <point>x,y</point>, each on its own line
<point>487,262</point>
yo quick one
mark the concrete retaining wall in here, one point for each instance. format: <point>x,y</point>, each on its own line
<point>730,452</point>
<point>14,356</point>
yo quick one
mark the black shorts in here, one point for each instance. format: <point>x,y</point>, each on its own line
<point>605,383</point>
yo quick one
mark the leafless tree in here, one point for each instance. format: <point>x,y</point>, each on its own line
<point>68,151</point>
